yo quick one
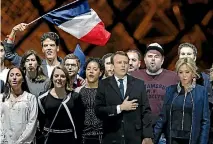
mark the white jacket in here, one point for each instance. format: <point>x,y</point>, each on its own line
<point>18,117</point>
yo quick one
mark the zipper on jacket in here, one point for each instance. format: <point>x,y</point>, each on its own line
<point>190,138</point>
<point>184,102</point>
<point>170,116</point>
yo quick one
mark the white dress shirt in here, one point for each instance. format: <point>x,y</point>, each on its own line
<point>125,87</point>
<point>50,70</point>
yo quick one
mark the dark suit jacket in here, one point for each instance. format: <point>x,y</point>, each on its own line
<point>129,127</point>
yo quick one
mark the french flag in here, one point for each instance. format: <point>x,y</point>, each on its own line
<point>79,20</point>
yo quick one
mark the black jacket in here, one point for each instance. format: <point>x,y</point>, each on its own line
<point>127,127</point>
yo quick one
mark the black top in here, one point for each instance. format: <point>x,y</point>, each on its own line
<point>182,117</point>
<point>62,120</point>
<point>92,125</point>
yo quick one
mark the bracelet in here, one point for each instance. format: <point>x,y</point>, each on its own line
<point>10,38</point>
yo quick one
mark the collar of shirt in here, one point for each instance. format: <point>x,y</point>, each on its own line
<point>124,82</point>
<point>124,79</point>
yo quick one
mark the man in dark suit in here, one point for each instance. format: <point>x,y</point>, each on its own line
<point>122,104</point>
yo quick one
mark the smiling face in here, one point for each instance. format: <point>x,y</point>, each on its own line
<point>15,78</point>
<point>93,72</point>
<point>59,78</point>
<point>50,49</point>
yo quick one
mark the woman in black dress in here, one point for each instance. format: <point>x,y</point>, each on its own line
<point>92,130</point>
<point>57,110</point>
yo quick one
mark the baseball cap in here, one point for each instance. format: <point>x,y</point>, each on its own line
<point>155,46</point>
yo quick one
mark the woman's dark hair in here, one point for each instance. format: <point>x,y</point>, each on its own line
<point>40,74</point>
<point>67,86</point>
<point>98,61</point>
<point>7,87</point>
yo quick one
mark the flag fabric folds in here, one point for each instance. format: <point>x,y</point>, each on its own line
<point>81,56</point>
<point>79,20</point>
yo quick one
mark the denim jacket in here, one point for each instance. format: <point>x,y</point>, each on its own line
<point>200,115</point>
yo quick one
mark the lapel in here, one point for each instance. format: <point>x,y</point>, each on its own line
<point>114,85</point>
<point>130,82</point>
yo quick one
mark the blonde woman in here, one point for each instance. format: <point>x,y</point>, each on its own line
<point>185,115</point>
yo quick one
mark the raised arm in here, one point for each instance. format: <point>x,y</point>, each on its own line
<point>10,54</point>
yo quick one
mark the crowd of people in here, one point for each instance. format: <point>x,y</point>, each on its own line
<point>46,101</point>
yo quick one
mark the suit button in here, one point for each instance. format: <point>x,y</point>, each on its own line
<point>122,136</point>
<point>122,121</point>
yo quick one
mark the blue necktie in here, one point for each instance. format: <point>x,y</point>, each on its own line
<point>121,87</point>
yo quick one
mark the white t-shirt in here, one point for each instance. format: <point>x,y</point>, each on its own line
<point>50,70</point>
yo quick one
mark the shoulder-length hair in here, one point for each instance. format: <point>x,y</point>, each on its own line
<point>67,85</point>
<point>7,87</point>
<point>40,74</point>
<point>190,63</point>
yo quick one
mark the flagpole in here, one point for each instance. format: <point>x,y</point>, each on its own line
<point>50,11</point>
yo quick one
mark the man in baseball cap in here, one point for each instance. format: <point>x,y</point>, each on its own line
<point>156,79</point>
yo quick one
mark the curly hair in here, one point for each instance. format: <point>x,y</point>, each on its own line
<point>51,35</point>
<point>98,61</point>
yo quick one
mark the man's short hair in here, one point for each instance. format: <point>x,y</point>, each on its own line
<point>106,56</point>
<point>187,45</point>
<point>118,53</point>
<point>51,35</point>
<point>72,56</point>
<point>137,52</point>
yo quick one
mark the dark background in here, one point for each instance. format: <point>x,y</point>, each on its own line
<point>133,24</point>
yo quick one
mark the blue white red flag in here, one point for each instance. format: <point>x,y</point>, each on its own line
<point>79,20</point>
<point>80,54</point>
